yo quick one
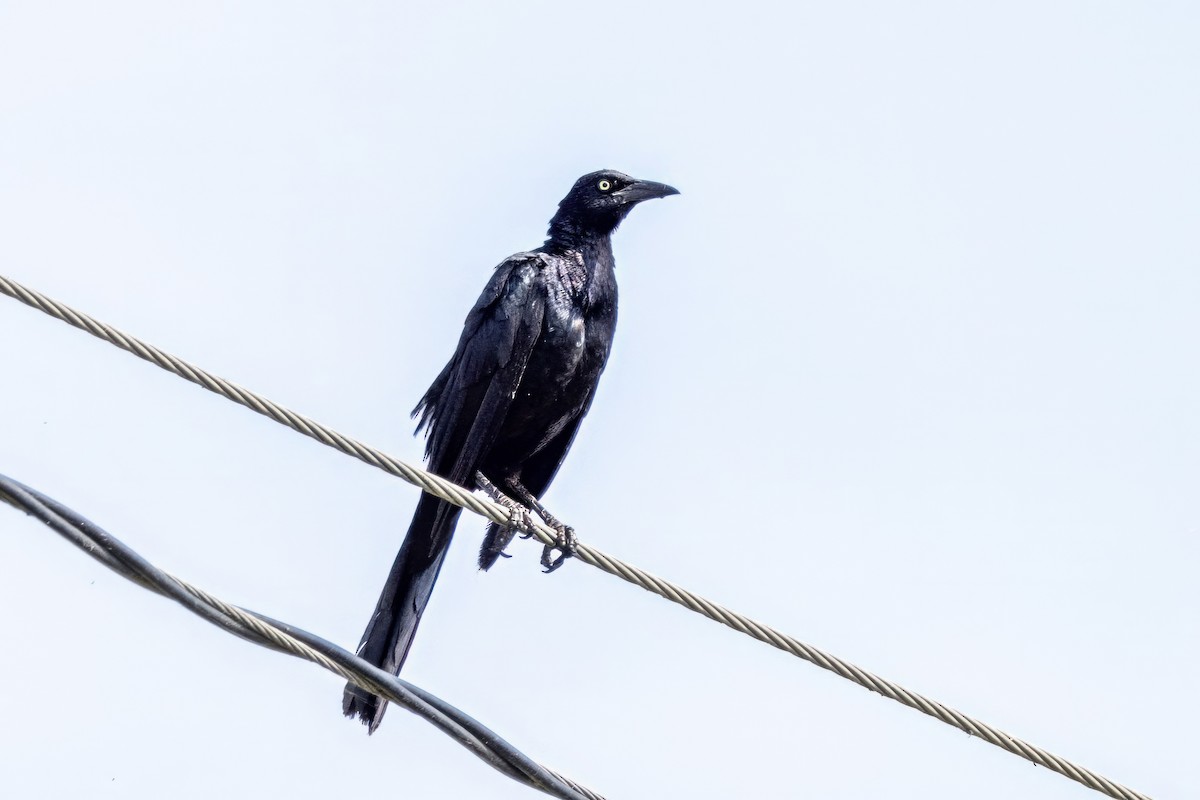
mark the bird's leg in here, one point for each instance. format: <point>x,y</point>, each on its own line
<point>565,539</point>
<point>518,515</point>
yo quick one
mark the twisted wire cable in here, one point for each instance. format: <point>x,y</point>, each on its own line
<point>444,489</point>
<point>269,633</point>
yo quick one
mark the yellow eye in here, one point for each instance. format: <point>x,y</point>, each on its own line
<point>604,186</point>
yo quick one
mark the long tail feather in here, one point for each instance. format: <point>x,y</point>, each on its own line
<point>390,632</point>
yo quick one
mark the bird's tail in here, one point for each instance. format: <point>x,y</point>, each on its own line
<point>392,627</point>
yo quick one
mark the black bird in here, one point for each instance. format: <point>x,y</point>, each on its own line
<point>509,403</point>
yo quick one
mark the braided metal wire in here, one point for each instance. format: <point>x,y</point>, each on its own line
<point>460,496</point>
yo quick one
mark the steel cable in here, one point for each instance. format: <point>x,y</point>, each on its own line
<point>440,487</point>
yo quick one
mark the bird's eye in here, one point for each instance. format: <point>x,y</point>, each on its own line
<point>604,185</point>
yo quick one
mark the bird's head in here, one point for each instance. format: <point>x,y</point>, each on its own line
<point>599,201</point>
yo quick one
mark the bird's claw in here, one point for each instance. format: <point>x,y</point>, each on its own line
<point>519,518</point>
<point>565,542</point>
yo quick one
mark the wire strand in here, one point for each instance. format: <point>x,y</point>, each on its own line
<point>440,487</point>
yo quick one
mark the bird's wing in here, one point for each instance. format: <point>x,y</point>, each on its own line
<point>466,405</point>
<point>539,470</point>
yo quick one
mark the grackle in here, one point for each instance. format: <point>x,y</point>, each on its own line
<point>504,411</point>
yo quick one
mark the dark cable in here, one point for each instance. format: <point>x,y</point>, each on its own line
<point>117,556</point>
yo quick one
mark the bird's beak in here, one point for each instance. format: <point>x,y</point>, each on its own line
<point>638,191</point>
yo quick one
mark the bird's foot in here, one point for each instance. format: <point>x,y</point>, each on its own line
<point>565,540</point>
<point>565,543</point>
<point>519,518</point>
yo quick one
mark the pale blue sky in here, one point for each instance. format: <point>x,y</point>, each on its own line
<point>908,371</point>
